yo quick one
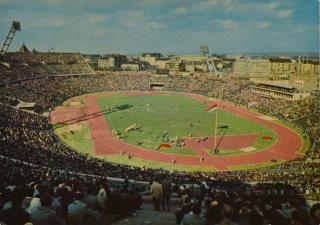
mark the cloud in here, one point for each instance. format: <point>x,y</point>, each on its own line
<point>228,5</point>
<point>58,22</point>
<point>228,24</point>
<point>4,2</point>
<point>100,32</point>
<point>42,21</point>
<point>152,3</point>
<point>285,13</point>
<point>207,4</point>
<point>264,25</point>
<point>138,19</point>
<point>223,5</point>
<point>154,25</point>
<point>96,18</point>
<point>181,10</point>
<point>131,18</point>
<point>268,6</point>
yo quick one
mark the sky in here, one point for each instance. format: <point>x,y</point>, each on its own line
<point>166,26</point>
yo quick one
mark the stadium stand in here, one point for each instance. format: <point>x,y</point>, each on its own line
<point>40,170</point>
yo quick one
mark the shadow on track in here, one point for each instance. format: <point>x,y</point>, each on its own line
<point>86,117</point>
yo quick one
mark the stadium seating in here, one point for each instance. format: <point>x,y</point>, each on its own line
<point>33,157</point>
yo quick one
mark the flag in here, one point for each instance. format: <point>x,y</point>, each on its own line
<point>212,108</point>
<point>267,138</point>
<point>164,145</point>
<point>223,127</point>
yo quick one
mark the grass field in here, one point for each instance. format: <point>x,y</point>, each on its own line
<point>79,140</point>
<point>161,119</point>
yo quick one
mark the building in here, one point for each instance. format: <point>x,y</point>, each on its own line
<point>130,66</point>
<point>219,65</point>
<point>176,64</point>
<point>278,90</point>
<point>307,76</point>
<point>106,63</point>
<point>307,67</point>
<point>150,58</point>
<point>240,67</point>
<point>252,68</point>
<point>196,66</point>
<point>306,82</point>
<point>112,62</point>
<point>259,68</point>
<point>92,58</point>
<point>161,63</point>
<point>280,66</point>
<point>193,58</point>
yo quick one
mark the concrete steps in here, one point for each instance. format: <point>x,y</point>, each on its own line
<point>147,216</point>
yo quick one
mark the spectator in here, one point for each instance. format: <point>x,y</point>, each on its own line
<point>15,215</point>
<point>44,215</point>
<point>227,216</point>
<point>256,217</point>
<point>193,218</point>
<point>186,208</point>
<point>166,187</point>
<point>215,213</point>
<point>156,193</point>
<point>79,213</point>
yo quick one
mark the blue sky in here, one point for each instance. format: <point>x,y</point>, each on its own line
<point>167,26</point>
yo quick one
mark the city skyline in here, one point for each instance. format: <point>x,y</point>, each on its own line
<point>180,27</point>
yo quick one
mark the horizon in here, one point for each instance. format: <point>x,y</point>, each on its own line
<point>279,54</point>
<point>170,27</point>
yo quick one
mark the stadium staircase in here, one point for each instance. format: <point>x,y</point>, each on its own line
<point>148,216</point>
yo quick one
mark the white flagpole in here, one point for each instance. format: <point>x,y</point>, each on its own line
<point>215,131</point>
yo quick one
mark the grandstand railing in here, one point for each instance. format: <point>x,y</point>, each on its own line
<point>112,179</point>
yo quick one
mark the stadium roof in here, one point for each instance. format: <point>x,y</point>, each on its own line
<point>275,84</point>
<point>24,49</point>
<point>26,105</point>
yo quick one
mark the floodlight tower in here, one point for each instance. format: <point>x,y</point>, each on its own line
<point>204,49</point>
<point>14,28</point>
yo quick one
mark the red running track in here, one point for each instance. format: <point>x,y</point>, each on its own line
<point>286,147</point>
<point>225,142</point>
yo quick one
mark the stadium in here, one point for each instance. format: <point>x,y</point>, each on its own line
<point>42,145</point>
<point>72,130</point>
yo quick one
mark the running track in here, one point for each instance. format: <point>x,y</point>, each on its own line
<point>286,148</point>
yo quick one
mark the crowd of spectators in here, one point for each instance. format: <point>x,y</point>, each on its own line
<point>252,205</point>
<point>20,72</point>
<point>44,196</point>
<point>34,164</point>
<point>38,58</point>
<point>17,66</point>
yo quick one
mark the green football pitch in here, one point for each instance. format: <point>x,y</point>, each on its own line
<point>162,118</point>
